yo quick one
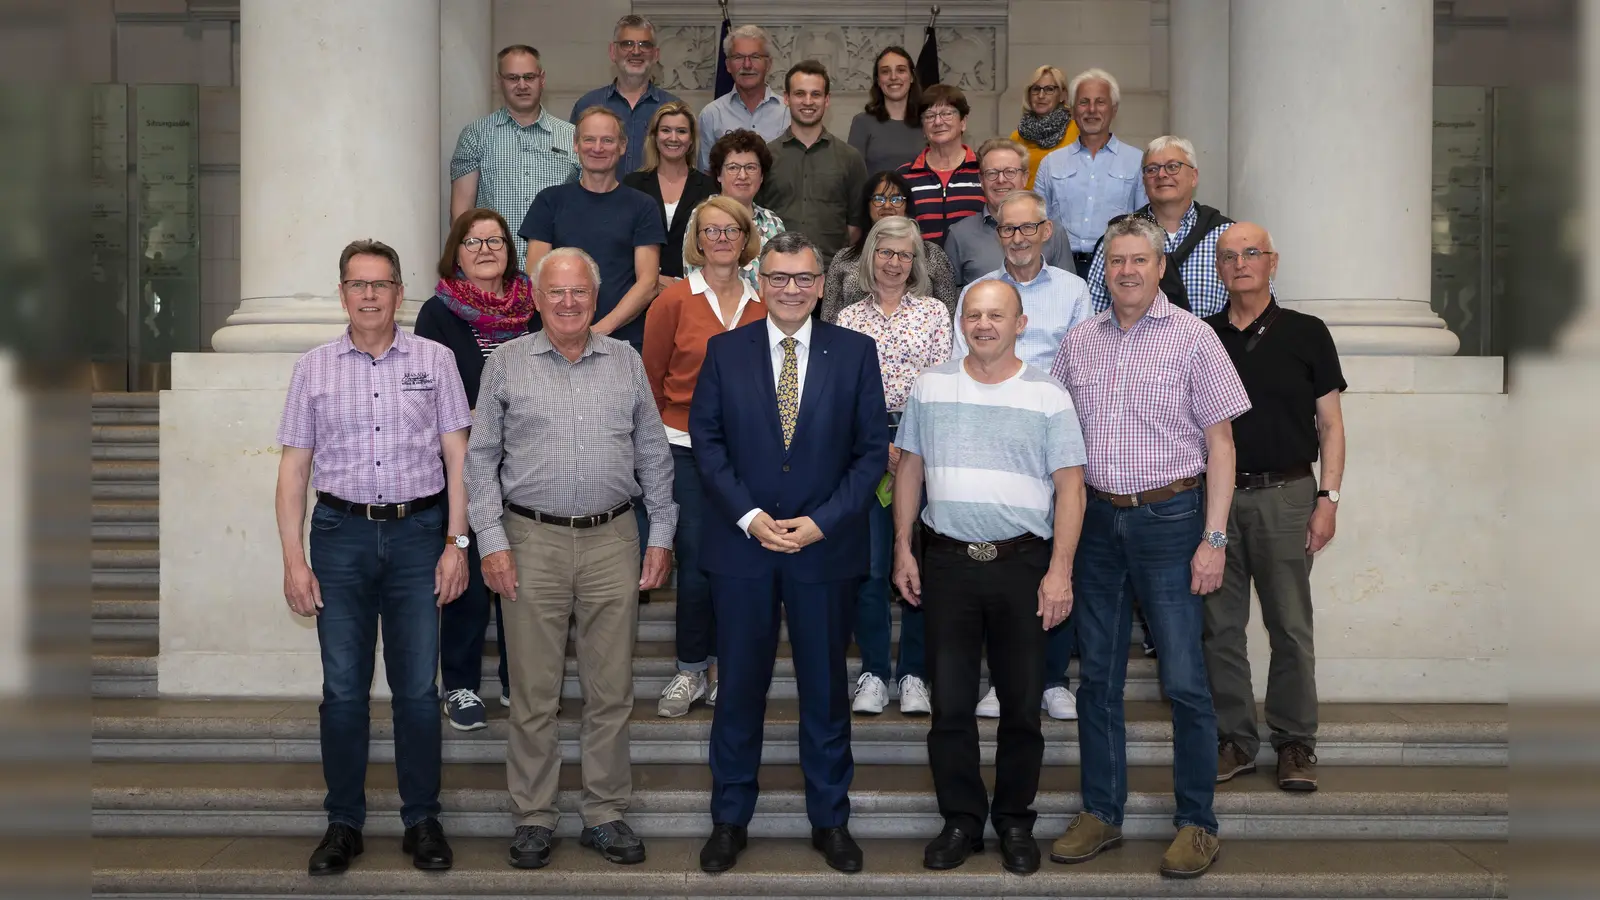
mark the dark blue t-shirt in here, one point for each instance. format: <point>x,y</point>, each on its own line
<point>606,226</point>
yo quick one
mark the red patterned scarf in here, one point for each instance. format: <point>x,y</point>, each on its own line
<point>497,317</point>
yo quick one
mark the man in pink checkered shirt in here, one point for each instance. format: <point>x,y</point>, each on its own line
<point>367,418</point>
<point>1156,394</point>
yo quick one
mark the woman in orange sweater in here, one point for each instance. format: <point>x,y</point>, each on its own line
<point>721,238</point>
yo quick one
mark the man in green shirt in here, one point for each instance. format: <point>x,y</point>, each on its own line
<point>817,178</point>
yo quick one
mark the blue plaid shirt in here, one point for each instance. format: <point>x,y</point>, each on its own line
<point>514,163</point>
<point>1207,295</point>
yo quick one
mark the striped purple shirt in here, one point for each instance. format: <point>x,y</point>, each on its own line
<point>373,425</point>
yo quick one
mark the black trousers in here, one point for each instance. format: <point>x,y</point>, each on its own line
<point>970,606</point>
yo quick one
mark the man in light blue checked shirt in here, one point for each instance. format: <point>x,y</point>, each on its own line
<point>1096,177</point>
<point>503,160</point>
<point>1191,281</point>
<point>1053,299</point>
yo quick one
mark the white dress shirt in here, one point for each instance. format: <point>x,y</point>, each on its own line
<point>802,352</point>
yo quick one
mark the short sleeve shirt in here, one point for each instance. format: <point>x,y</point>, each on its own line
<point>514,162</point>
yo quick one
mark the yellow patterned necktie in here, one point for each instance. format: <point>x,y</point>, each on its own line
<point>788,390</point>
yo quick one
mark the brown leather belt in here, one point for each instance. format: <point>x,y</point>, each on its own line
<point>1245,481</point>
<point>982,551</point>
<point>1155,495</point>
<point>572,521</point>
<point>380,512</point>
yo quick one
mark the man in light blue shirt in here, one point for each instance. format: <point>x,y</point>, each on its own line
<point>1053,299</point>
<point>1095,178</point>
<point>751,104</point>
<point>631,95</point>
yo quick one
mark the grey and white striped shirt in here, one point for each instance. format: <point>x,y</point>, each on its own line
<point>566,438</point>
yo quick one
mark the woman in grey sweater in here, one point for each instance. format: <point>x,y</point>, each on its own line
<point>889,133</point>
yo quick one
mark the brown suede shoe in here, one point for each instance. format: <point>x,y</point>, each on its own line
<point>1232,760</point>
<point>1297,767</point>
<point>1191,854</point>
<point>1084,839</point>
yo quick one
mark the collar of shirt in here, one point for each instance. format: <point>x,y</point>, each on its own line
<point>1185,225</point>
<point>788,137</point>
<point>909,299</point>
<point>1112,144</point>
<point>699,285</point>
<point>401,344</point>
<point>1221,319</point>
<point>502,116</point>
<point>652,91</point>
<point>921,162</point>
<point>541,344</point>
<point>1004,274</point>
<point>775,337</point>
<point>1160,308</point>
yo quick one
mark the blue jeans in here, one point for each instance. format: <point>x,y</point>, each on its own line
<point>372,574</point>
<point>697,624</point>
<point>1151,546</point>
<point>874,625</point>
<point>463,626</point>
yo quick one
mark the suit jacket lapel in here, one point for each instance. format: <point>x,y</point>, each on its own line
<point>819,369</point>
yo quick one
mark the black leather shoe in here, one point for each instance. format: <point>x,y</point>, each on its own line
<point>340,844</point>
<point>427,846</point>
<point>722,848</point>
<point>1019,852</point>
<point>837,847</point>
<point>952,847</point>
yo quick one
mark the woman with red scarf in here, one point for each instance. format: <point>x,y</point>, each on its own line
<point>482,301</point>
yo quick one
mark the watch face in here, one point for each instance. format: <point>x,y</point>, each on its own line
<point>462,541</point>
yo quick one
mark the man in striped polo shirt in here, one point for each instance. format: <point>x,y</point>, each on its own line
<point>997,443</point>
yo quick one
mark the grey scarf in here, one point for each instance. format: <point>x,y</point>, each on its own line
<point>1046,130</point>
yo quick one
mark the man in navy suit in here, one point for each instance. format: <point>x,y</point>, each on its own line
<point>791,437</point>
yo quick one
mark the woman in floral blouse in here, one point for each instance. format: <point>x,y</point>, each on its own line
<point>887,194</point>
<point>913,332</point>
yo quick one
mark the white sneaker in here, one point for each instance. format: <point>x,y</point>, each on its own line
<point>1059,703</point>
<point>711,698</point>
<point>681,693</point>
<point>871,695</point>
<point>914,699</point>
<point>989,706</point>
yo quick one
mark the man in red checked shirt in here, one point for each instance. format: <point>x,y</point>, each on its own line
<point>1156,394</point>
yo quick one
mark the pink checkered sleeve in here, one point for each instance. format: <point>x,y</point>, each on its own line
<point>1214,383</point>
<point>298,427</point>
<point>454,413</point>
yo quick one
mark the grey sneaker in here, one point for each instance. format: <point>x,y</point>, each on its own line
<point>530,846</point>
<point>465,710</point>
<point>615,841</point>
<point>681,693</point>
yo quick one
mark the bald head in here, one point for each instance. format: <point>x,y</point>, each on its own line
<point>992,320</point>
<point>1246,261</point>
<point>999,293</point>
<point>1244,234</point>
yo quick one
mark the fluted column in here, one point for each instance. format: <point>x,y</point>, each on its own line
<point>1198,32</point>
<point>1330,147</point>
<point>339,140</point>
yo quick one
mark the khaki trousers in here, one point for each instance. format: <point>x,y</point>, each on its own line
<point>591,574</point>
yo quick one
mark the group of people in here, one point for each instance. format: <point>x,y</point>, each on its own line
<point>1024,412</point>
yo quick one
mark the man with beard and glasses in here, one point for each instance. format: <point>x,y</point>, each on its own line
<point>631,95</point>
<point>751,105</point>
<point>505,159</point>
<point>816,178</point>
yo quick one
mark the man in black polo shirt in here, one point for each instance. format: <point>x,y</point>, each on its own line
<point>1279,518</point>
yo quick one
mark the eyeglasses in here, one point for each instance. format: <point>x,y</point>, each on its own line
<point>722,232</point>
<point>801,280</point>
<point>885,254</point>
<point>636,45</point>
<point>382,286</point>
<point>1028,229</point>
<point>997,174</point>
<point>1250,254</point>
<point>577,294</point>
<point>935,115</point>
<point>493,243</point>
<point>747,58</point>
<point>1043,89</point>
<point>746,169</point>
<point>894,200</point>
<point>513,78</point>
<point>1171,168</point>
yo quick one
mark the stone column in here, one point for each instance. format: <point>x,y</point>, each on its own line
<point>1330,148</point>
<point>1582,337</point>
<point>339,140</point>
<point>466,87</point>
<point>1198,32</point>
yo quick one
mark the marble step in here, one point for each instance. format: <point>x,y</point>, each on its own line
<point>134,519</point>
<point>123,470</point>
<point>126,615</point>
<point>125,490</point>
<point>213,866</point>
<point>125,564</point>
<point>142,408</point>
<point>287,731</point>
<point>124,433</point>
<point>126,399</point>
<point>123,668</point>
<point>125,451</point>
<point>1380,803</point>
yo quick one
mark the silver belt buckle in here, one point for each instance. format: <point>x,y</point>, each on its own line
<point>982,551</point>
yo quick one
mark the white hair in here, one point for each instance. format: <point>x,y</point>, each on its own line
<point>895,228</point>
<point>633,21</point>
<point>1094,75</point>
<point>1133,225</point>
<point>748,33</point>
<point>1167,141</point>
<point>566,253</point>
<point>1033,197</point>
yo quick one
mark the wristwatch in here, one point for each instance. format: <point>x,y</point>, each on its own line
<point>460,540</point>
<point>1217,539</point>
<point>1331,495</point>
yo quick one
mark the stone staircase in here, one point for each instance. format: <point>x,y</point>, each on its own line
<point>222,798</point>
